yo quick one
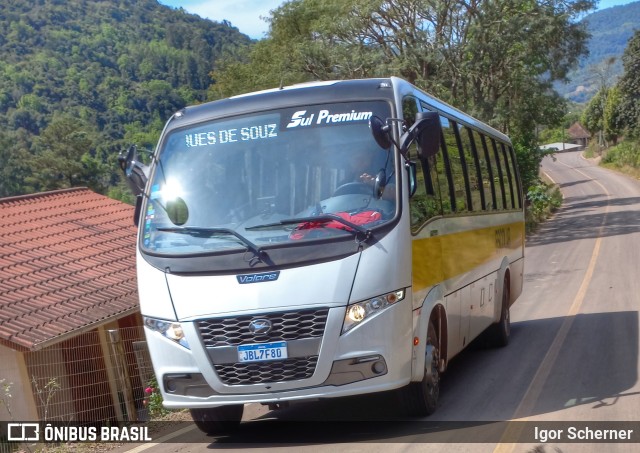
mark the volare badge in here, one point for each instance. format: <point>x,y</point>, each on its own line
<point>258,278</point>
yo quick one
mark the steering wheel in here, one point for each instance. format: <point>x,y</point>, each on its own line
<point>359,188</point>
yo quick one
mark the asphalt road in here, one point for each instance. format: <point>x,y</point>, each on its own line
<point>572,361</point>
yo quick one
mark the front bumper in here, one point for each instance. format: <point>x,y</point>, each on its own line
<point>373,357</point>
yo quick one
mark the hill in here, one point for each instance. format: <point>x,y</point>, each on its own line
<point>111,71</point>
<point>610,31</point>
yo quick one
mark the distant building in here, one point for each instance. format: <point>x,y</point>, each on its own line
<point>561,147</point>
<point>71,341</point>
<point>579,135</point>
<point>577,140</point>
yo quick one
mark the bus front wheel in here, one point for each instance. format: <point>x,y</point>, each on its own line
<point>421,398</point>
<point>218,420</point>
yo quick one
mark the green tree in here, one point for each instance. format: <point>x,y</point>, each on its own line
<point>105,64</point>
<point>496,60</point>
<point>612,116</point>
<point>13,164</point>
<point>593,115</point>
<point>629,86</point>
<point>65,156</point>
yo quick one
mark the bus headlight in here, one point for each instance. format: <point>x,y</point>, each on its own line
<point>168,329</point>
<point>360,312</point>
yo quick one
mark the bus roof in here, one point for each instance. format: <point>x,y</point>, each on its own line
<point>391,89</point>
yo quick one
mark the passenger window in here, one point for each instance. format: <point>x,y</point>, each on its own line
<point>409,110</point>
<point>514,177</point>
<point>499,161</point>
<point>494,174</point>
<point>425,203</point>
<point>473,169</point>
<point>485,170</point>
<point>440,169</point>
<point>456,163</point>
<point>507,176</point>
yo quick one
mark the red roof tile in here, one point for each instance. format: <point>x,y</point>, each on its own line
<point>577,131</point>
<point>67,262</point>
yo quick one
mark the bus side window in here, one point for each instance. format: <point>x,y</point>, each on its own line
<point>509,179</point>
<point>515,175</point>
<point>440,169</point>
<point>494,169</point>
<point>469,173</point>
<point>445,174</point>
<point>485,170</point>
<point>499,160</point>
<point>409,111</point>
<point>474,169</point>
<point>458,171</point>
<point>425,203</point>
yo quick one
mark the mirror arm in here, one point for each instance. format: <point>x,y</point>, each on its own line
<point>138,208</point>
<point>387,130</point>
<point>406,140</point>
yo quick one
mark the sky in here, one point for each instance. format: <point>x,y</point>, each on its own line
<point>246,14</point>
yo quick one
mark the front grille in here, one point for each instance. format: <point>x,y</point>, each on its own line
<point>258,373</point>
<point>287,326</point>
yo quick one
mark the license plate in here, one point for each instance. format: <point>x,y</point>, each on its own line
<point>262,352</point>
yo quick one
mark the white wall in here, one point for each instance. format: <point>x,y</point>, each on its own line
<point>13,371</point>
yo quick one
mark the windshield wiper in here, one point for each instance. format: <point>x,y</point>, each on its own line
<point>208,232</point>
<point>317,218</point>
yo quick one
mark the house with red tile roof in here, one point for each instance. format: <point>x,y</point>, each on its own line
<point>71,341</point>
<point>579,135</point>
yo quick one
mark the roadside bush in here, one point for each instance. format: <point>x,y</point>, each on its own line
<point>625,154</point>
<point>543,199</point>
<point>153,400</point>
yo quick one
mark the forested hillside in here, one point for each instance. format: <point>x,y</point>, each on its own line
<point>81,78</point>
<point>610,31</point>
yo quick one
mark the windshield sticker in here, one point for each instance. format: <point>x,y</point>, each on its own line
<point>324,117</point>
<point>232,135</point>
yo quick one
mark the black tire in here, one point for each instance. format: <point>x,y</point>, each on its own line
<point>501,332</point>
<point>218,420</point>
<point>421,398</point>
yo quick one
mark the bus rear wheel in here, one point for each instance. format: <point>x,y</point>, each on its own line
<point>421,398</point>
<point>501,331</point>
<point>218,420</point>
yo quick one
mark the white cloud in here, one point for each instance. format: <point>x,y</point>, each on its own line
<point>243,14</point>
<point>246,14</point>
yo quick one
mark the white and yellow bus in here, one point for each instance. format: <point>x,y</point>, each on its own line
<point>322,240</point>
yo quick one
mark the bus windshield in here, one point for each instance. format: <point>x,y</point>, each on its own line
<point>280,176</point>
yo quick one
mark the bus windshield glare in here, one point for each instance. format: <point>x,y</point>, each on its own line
<point>242,181</point>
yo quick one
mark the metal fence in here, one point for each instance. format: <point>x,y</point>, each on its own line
<point>97,376</point>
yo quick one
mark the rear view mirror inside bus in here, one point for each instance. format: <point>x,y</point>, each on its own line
<point>177,211</point>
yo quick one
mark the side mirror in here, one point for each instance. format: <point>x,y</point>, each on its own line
<point>380,132</point>
<point>429,133</point>
<point>425,132</point>
<point>135,172</point>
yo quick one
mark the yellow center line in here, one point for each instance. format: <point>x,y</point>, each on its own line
<point>534,390</point>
